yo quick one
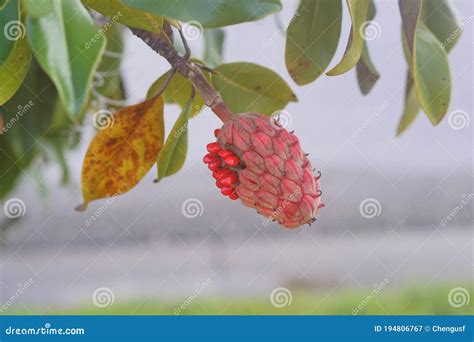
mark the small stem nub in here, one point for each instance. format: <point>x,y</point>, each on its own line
<point>187,50</point>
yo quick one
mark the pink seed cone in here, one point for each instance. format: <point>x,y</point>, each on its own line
<point>274,176</point>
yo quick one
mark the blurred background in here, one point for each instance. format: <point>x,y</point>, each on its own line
<point>395,236</point>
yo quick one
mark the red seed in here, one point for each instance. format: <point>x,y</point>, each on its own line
<point>233,195</point>
<point>219,183</point>
<point>214,166</point>
<point>208,158</point>
<point>227,191</point>
<point>225,153</point>
<point>232,161</point>
<point>229,179</point>
<point>214,147</point>
<point>221,173</point>
<point>216,132</point>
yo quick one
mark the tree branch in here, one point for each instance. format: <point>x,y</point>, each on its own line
<point>188,69</point>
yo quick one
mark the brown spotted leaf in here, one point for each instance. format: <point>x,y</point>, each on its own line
<point>123,151</point>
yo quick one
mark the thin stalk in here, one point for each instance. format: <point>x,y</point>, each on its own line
<point>188,69</point>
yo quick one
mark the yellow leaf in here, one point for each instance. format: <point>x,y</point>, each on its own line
<point>123,151</point>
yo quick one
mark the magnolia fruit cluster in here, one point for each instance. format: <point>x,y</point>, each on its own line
<point>260,162</point>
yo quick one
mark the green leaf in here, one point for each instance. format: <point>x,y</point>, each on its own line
<point>431,74</point>
<point>213,46</point>
<point>248,87</point>
<point>62,137</point>
<point>443,22</point>
<point>30,111</point>
<point>178,91</point>
<point>9,170</point>
<point>55,149</point>
<point>358,10</point>
<point>12,29</point>
<point>312,38</point>
<point>411,106</point>
<point>118,12</point>
<point>68,47</point>
<point>172,156</point>
<point>441,18</point>
<point>27,119</point>
<point>429,62</point>
<point>367,75</point>
<point>410,11</point>
<point>209,13</point>
<point>37,8</point>
<point>13,71</point>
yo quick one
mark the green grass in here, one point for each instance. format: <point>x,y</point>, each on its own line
<point>410,301</point>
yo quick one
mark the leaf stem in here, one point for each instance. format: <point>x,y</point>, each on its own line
<point>188,69</point>
<point>169,76</point>
<point>187,50</point>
